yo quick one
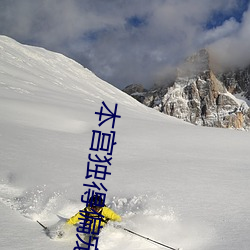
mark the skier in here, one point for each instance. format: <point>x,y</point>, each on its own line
<point>92,218</point>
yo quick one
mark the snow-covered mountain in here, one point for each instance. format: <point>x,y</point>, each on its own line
<point>201,96</point>
<point>183,185</point>
<point>237,81</point>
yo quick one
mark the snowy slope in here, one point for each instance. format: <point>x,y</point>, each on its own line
<point>182,185</point>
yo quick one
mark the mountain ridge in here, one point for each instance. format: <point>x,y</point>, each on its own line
<point>200,95</point>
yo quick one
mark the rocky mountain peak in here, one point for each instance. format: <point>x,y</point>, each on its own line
<point>200,96</point>
<point>197,64</point>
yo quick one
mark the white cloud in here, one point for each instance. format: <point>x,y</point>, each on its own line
<point>233,50</point>
<point>228,28</point>
<point>97,32</point>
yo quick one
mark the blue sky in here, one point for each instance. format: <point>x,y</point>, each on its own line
<point>131,41</point>
<point>218,17</point>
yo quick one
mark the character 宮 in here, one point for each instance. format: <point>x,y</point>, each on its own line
<point>92,219</point>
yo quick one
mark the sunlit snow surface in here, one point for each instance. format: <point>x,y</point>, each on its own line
<point>182,185</point>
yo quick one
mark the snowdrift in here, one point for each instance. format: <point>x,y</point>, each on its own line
<point>182,185</point>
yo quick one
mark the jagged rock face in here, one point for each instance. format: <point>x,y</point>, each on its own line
<point>237,81</point>
<point>137,91</point>
<point>199,97</point>
<point>133,88</point>
<point>205,102</point>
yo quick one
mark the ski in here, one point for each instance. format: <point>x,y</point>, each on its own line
<point>61,217</point>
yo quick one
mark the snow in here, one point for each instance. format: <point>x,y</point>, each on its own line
<point>242,99</point>
<point>182,185</point>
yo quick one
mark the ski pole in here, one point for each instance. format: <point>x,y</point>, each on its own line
<point>149,239</point>
<point>45,228</point>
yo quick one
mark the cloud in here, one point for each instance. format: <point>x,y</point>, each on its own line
<point>228,28</point>
<point>233,49</point>
<point>121,41</point>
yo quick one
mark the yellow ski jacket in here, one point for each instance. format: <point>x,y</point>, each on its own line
<point>106,212</point>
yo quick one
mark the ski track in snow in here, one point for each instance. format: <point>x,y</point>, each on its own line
<point>143,214</point>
